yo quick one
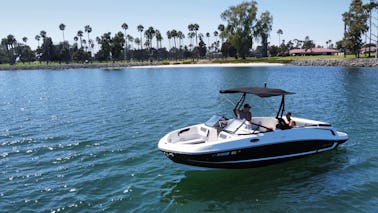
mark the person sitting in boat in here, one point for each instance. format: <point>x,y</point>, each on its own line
<point>244,113</point>
<point>290,122</point>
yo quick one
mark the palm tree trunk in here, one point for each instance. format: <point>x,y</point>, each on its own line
<point>124,58</point>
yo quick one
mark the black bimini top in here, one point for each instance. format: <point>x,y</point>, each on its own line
<point>259,91</point>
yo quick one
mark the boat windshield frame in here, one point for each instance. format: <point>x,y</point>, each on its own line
<point>214,121</point>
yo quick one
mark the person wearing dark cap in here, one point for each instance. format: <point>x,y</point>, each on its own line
<point>290,121</point>
<point>244,113</point>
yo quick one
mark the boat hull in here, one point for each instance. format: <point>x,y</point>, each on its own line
<point>255,156</point>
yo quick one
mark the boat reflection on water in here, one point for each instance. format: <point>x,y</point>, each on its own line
<point>264,184</point>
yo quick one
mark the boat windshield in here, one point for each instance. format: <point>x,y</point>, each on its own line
<point>214,121</point>
<point>233,125</point>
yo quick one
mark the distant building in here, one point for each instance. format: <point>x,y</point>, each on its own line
<point>366,50</point>
<point>313,51</point>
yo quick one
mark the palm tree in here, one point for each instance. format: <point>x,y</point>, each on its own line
<point>140,29</point>
<point>191,35</point>
<point>43,34</point>
<point>215,33</point>
<point>149,33</point>
<point>25,39</point>
<point>191,27</point>
<point>76,39</point>
<point>125,27</point>
<point>88,29</point>
<point>137,41</point>
<point>279,32</point>
<point>85,44</point>
<point>91,43</point>
<point>158,38</point>
<point>174,36</point>
<point>200,35</point>
<point>80,35</point>
<point>169,36</point>
<point>62,27</point>
<point>147,43</point>
<point>180,36</point>
<point>216,43</point>
<point>208,39</point>
<point>222,33</point>
<point>37,37</point>
<point>130,39</point>
<point>195,28</point>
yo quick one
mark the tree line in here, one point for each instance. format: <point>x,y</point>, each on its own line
<point>233,39</point>
<point>357,22</point>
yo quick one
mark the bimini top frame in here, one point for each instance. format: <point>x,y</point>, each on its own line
<point>259,91</point>
<point>262,93</point>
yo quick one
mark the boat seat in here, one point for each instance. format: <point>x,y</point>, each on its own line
<point>193,141</point>
<point>261,122</point>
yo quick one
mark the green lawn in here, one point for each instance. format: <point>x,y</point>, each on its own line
<point>277,59</point>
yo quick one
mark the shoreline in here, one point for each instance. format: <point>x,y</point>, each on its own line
<point>69,66</point>
<point>334,62</point>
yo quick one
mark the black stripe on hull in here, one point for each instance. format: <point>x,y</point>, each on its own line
<point>255,156</point>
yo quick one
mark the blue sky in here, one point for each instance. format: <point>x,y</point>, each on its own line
<point>319,19</point>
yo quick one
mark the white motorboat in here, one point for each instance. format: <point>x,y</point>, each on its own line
<point>238,143</point>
